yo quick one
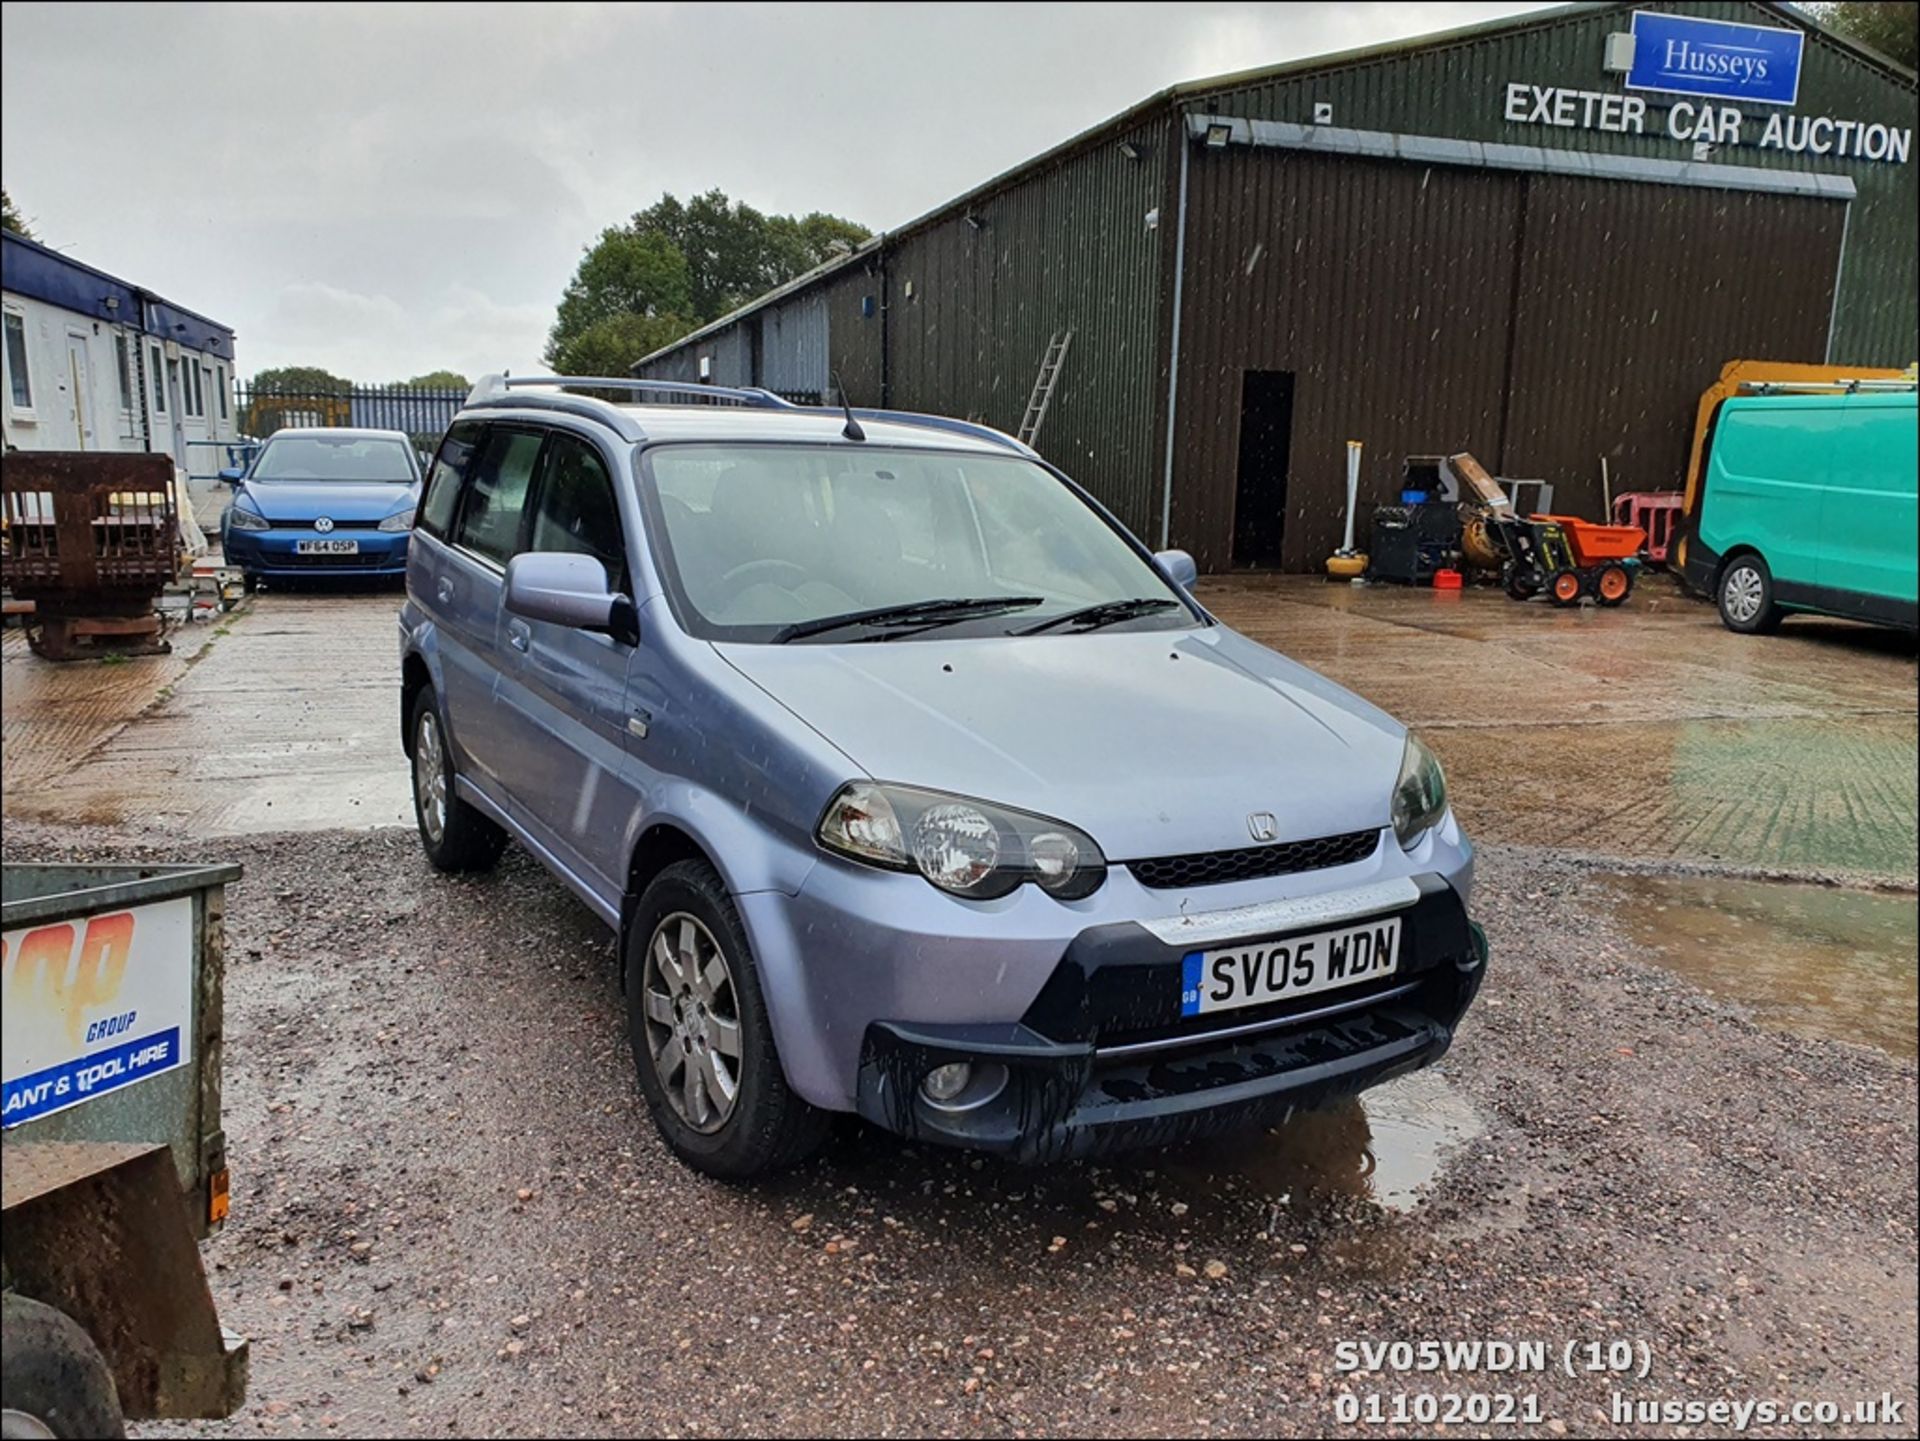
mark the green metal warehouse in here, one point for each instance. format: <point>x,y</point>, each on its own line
<point>1537,240</point>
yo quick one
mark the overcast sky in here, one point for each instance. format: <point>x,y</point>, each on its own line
<point>390,189</point>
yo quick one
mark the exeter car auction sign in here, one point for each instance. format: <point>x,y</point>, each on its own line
<point>1685,55</point>
<point>92,1006</point>
<point>1708,61</point>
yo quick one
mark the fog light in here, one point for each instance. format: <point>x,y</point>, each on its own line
<point>943,1083</point>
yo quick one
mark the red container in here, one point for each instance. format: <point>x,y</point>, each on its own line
<point>1657,512</point>
<point>1447,580</point>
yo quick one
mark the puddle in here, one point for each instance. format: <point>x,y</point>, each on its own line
<point>1819,960</point>
<point>1384,1146</point>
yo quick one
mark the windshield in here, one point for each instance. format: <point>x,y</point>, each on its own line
<point>335,458</point>
<point>774,542</point>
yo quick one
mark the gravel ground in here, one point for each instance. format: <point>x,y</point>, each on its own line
<point>452,1217</point>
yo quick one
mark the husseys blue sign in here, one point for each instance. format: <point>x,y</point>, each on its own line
<point>1686,55</point>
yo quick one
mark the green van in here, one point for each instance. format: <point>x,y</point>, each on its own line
<point>1807,502</point>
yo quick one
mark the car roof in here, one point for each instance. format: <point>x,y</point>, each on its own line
<point>340,432</point>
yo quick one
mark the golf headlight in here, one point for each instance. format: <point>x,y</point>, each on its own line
<point>242,517</point>
<point>399,520</point>
<point>1419,795</point>
<point>965,847</point>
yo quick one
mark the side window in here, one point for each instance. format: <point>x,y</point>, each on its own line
<point>443,485</point>
<point>496,493</point>
<point>159,381</point>
<point>576,511</point>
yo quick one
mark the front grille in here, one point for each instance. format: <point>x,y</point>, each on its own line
<point>1215,868</point>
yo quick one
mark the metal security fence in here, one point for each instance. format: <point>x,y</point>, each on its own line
<point>423,414</point>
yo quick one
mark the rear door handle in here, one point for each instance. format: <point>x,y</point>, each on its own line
<point>519,635</point>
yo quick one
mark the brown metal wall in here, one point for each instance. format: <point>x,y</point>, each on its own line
<point>1385,288</point>
<point>1068,247</point>
<point>1402,297</point>
<point>1628,295</point>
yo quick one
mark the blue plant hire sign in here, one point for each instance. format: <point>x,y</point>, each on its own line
<point>1685,55</point>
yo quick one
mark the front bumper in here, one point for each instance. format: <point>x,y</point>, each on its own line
<point>276,552</point>
<point>1102,1060</point>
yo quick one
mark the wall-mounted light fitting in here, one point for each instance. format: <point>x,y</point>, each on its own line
<point>1218,136</point>
<point>1129,150</point>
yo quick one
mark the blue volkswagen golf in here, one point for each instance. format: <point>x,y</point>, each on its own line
<point>323,502</point>
<point>912,784</point>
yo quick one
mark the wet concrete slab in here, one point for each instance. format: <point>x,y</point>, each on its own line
<point>1649,731</point>
<point>1823,961</point>
<point>287,722</point>
<point>54,714</point>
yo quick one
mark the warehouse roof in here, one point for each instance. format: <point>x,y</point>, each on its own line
<point>1222,84</point>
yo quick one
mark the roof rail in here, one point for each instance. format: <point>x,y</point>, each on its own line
<point>491,387</point>
<point>947,423</point>
<point>1817,387</point>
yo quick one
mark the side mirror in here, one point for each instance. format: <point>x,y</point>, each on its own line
<point>233,475</point>
<point>1179,567</point>
<point>571,590</point>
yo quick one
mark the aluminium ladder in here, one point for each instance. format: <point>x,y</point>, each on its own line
<point>1043,385</point>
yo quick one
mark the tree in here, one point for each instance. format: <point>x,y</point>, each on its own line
<point>625,272</point>
<point>1886,27</point>
<point>438,380</point>
<point>12,219</point>
<point>300,380</point>
<point>689,262</point>
<point>611,344</point>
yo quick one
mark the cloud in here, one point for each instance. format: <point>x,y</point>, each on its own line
<point>390,189</point>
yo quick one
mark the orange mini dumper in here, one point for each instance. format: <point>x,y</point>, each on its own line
<point>1568,557</point>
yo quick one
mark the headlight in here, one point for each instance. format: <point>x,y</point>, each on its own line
<point>242,517</point>
<point>965,847</point>
<point>1419,795</point>
<point>399,520</point>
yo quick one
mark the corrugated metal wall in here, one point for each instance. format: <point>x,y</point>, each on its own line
<point>1538,321</point>
<point>1628,295</point>
<point>1385,289</point>
<point>1459,89</point>
<point>793,345</point>
<point>1070,248</point>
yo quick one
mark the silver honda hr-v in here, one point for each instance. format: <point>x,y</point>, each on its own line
<point>912,784</point>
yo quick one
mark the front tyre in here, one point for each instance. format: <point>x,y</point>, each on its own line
<point>1746,596</point>
<point>56,1382</point>
<point>702,1041</point>
<point>455,836</point>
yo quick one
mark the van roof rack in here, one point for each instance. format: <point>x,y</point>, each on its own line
<point>1816,387</point>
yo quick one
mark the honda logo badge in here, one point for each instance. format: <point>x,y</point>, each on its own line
<point>1262,826</point>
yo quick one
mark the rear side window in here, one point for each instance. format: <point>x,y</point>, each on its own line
<point>496,493</point>
<point>576,511</point>
<point>449,470</point>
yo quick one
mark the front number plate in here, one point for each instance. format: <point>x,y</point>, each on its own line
<point>327,547</point>
<point>1279,970</point>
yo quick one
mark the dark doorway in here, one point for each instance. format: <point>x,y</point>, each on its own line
<point>1266,438</point>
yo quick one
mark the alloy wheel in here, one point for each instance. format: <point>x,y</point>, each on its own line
<point>430,776</point>
<point>693,1022</point>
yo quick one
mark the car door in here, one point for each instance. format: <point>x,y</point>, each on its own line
<point>561,698</point>
<point>468,595</point>
<point>1868,511</point>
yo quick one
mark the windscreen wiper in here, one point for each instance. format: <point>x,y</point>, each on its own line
<point>1107,612</point>
<point>918,613</point>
